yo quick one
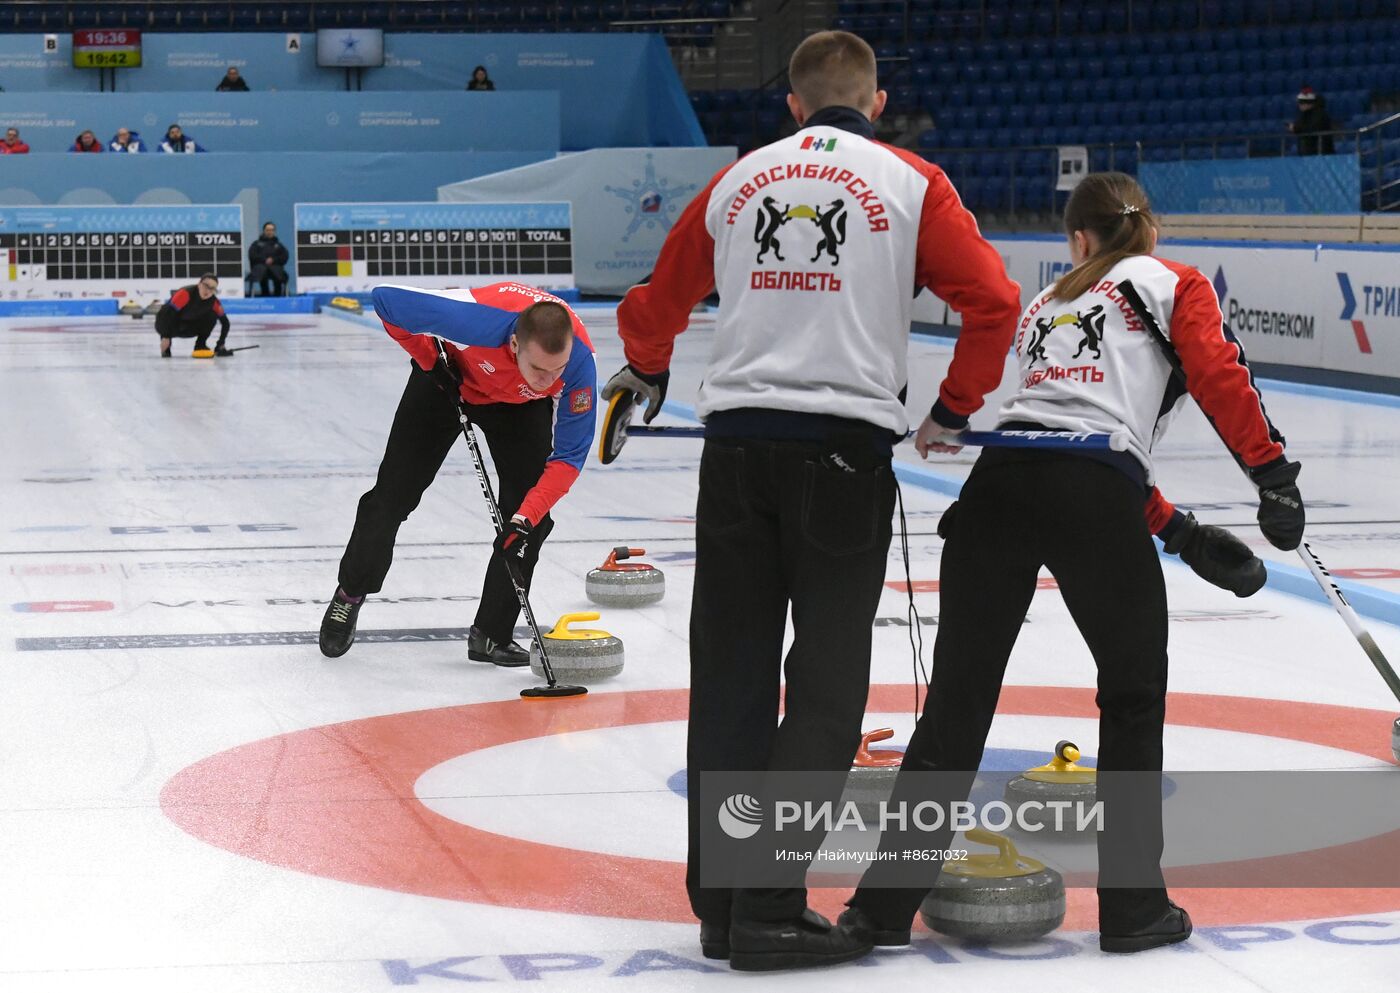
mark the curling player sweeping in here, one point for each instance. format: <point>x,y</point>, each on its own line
<point>1086,363</point>
<point>520,364</point>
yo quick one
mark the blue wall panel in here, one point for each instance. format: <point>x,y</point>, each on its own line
<point>616,90</point>
<point>300,122</point>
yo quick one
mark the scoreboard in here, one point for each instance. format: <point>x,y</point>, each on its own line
<point>146,251</point>
<point>352,247</point>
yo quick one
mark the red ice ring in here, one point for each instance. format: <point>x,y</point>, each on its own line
<point>338,801</point>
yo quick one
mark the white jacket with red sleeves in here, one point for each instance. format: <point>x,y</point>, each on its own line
<point>1089,364</point>
<point>817,244</point>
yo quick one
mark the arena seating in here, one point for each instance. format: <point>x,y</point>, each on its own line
<point>405,15</point>
<point>1176,75</point>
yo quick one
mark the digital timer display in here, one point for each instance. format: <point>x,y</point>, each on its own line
<point>114,49</point>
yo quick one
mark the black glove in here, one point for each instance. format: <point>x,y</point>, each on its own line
<point>444,377</point>
<point>647,385</point>
<point>1281,515</point>
<point>512,543</point>
<point>1217,556</point>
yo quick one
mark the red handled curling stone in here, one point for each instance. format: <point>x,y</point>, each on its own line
<point>1003,897</point>
<point>1061,780</point>
<point>872,775</point>
<point>618,583</point>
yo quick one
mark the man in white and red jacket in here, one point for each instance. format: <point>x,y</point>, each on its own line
<point>816,245</point>
<point>522,365</point>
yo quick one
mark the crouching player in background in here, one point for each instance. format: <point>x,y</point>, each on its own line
<point>192,312</point>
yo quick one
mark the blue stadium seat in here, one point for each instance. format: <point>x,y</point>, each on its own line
<point>129,15</point>
<point>1017,116</point>
<point>216,17</point>
<point>245,17</point>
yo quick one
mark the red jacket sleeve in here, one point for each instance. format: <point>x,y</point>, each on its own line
<point>653,313</point>
<point>962,268</point>
<point>1159,510</point>
<point>1217,375</point>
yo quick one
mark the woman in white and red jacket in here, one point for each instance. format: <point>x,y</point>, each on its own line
<point>1087,363</point>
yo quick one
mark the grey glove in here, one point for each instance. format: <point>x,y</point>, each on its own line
<point>648,386</point>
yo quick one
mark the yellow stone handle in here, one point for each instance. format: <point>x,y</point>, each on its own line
<point>1006,851</point>
<point>561,626</point>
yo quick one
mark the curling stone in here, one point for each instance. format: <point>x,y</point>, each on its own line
<point>1003,897</point>
<point>132,309</point>
<point>578,655</point>
<point>872,775</point>
<point>1062,780</point>
<point>616,583</point>
<point>1395,739</point>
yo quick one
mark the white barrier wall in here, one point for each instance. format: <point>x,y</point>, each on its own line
<point>1324,306</point>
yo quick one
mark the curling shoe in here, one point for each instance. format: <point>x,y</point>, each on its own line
<point>222,352</point>
<point>338,624</point>
<point>202,353</point>
<point>762,946</point>
<point>862,923</point>
<point>714,940</point>
<point>1171,927</point>
<point>482,649</point>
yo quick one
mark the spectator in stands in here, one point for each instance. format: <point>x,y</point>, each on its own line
<point>268,258</point>
<point>233,82</point>
<point>1312,124</point>
<point>12,144</point>
<point>480,80</point>
<point>126,140</point>
<point>176,141</point>
<point>86,142</point>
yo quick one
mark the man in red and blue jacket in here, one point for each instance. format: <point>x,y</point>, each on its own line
<point>521,364</point>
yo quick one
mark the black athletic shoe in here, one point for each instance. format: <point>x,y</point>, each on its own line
<point>761,946</point>
<point>714,940</point>
<point>482,649</point>
<point>338,625</point>
<point>221,351</point>
<point>1171,927</point>
<point>165,353</point>
<point>862,923</point>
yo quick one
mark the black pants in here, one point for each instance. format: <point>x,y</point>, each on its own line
<point>520,437</point>
<point>269,275</point>
<point>1084,520</point>
<point>774,526</point>
<point>198,330</point>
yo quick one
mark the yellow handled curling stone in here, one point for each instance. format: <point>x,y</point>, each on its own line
<point>1061,780</point>
<point>1003,897</point>
<point>579,655</point>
